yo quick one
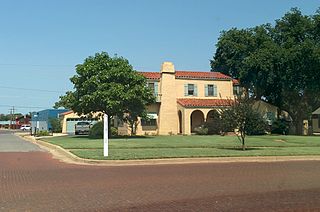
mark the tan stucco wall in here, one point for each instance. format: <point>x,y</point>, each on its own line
<point>168,116</point>
<point>145,130</point>
<point>64,120</point>
<point>224,88</point>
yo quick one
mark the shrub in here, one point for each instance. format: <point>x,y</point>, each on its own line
<point>280,126</point>
<point>202,130</point>
<point>55,125</point>
<point>96,131</point>
<point>43,133</point>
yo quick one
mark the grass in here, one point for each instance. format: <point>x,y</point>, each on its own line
<point>188,146</point>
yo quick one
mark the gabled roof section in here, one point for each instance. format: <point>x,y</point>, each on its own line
<point>317,111</point>
<point>188,102</point>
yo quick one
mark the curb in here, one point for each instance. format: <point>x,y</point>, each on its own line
<point>67,157</point>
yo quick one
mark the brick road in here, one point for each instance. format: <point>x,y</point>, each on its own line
<point>33,181</point>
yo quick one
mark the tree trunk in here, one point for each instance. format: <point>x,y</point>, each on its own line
<point>242,139</point>
<point>298,123</point>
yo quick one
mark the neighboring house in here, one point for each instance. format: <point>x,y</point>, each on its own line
<point>40,119</point>
<point>69,119</point>
<point>23,120</point>
<point>5,124</point>
<point>316,121</point>
<point>184,100</point>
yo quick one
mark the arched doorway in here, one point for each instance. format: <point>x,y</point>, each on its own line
<point>213,122</point>
<point>196,119</point>
<point>212,115</point>
<point>180,121</point>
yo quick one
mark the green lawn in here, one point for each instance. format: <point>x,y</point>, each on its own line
<point>189,146</point>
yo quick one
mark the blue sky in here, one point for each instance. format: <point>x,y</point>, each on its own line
<point>42,41</point>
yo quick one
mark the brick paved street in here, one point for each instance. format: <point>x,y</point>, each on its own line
<point>33,181</point>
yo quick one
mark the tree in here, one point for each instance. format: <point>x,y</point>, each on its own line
<point>55,125</point>
<point>279,64</point>
<point>244,118</point>
<point>108,85</point>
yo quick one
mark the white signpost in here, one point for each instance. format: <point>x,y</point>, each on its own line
<point>105,136</point>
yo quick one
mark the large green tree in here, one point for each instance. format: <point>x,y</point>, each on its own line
<point>277,63</point>
<point>109,85</point>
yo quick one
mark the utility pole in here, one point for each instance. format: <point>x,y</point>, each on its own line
<point>13,112</point>
<point>10,112</point>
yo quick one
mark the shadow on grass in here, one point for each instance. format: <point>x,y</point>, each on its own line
<point>239,148</point>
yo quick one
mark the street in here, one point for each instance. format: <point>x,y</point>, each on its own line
<point>30,180</point>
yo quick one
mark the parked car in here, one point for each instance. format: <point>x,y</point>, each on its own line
<point>25,127</point>
<point>82,127</point>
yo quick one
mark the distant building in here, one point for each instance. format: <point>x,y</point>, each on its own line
<point>40,119</point>
<point>69,119</point>
<point>316,121</point>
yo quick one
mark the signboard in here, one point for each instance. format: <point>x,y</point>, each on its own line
<point>105,135</point>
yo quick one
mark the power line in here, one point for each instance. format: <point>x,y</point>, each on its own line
<point>37,65</point>
<point>25,107</point>
<point>32,89</point>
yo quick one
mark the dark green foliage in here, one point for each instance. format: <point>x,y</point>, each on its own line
<point>96,131</point>
<point>55,125</point>
<point>280,126</point>
<point>214,124</point>
<point>279,63</point>
<point>257,125</point>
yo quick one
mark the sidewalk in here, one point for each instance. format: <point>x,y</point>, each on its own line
<point>67,157</point>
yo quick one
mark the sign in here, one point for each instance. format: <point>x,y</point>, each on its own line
<point>105,135</point>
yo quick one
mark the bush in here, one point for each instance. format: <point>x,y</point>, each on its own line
<point>96,131</point>
<point>55,125</point>
<point>202,130</point>
<point>280,126</point>
<point>214,124</point>
<point>43,133</point>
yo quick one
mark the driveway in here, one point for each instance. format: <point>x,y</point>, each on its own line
<point>12,143</point>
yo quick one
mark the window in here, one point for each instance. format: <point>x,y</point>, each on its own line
<point>149,122</point>
<point>211,90</point>
<point>151,86</point>
<point>190,89</point>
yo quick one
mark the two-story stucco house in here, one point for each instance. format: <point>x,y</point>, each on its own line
<point>185,100</point>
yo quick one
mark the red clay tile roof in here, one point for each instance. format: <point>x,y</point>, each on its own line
<point>188,75</point>
<point>204,102</point>
<point>200,75</point>
<point>151,75</point>
<point>66,113</point>
<point>235,82</point>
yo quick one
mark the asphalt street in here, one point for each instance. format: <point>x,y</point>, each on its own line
<point>31,180</point>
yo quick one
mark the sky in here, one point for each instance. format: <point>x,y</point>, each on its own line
<point>42,41</point>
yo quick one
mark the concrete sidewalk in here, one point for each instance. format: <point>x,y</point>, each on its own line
<point>67,157</point>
